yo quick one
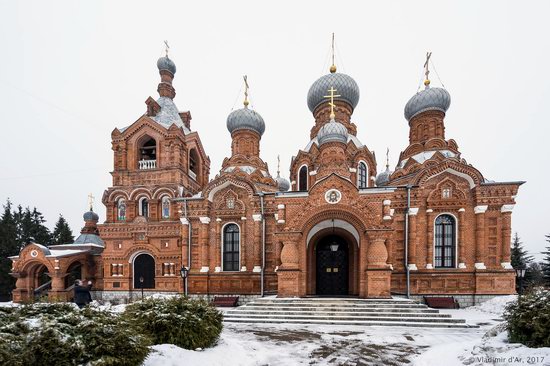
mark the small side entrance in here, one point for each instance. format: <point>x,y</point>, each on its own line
<point>144,271</point>
<point>332,267</point>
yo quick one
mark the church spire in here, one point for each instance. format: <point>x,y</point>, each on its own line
<point>167,70</point>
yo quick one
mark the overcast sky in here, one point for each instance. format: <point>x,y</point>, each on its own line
<point>72,71</point>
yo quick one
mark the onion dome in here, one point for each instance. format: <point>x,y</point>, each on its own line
<point>164,63</point>
<point>429,99</point>
<point>90,216</point>
<point>384,177</point>
<point>332,132</point>
<point>245,119</point>
<point>345,86</point>
<point>282,184</point>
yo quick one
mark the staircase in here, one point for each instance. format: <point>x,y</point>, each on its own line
<point>342,311</point>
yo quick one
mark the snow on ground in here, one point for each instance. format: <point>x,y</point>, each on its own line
<point>295,344</point>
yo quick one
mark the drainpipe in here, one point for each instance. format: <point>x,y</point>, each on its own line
<point>406,259</point>
<point>262,272</point>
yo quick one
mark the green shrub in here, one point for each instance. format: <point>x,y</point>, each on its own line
<point>61,334</point>
<point>186,323</point>
<point>528,318</point>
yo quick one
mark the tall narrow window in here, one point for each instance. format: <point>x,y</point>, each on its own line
<point>165,207</point>
<point>144,207</point>
<point>445,244</point>
<point>362,175</point>
<point>193,164</point>
<point>121,209</point>
<point>302,179</point>
<point>231,248</point>
<point>148,154</point>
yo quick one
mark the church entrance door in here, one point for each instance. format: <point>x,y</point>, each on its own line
<point>144,271</point>
<point>332,266</point>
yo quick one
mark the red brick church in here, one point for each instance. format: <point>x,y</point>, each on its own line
<point>434,225</point>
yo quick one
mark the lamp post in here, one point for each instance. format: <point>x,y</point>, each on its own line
<point>141,279</point>
<point>520,273</point>
<point>184,272</point>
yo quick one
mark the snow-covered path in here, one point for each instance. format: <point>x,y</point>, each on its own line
<point>287,344</point>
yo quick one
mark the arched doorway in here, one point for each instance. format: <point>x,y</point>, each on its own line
<point>144,271</point>
<point>74,272</point>
<point>332,266</point>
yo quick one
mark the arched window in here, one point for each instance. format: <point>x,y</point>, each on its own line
<point>302,179</point>
<point>148,154</point>
<point>143,207</point>
<point>165,207</point>
<point>445,241</point>
<point>193,164</point>
<point>121,209</point>
<point>362,176</point>
<point>231,247</point>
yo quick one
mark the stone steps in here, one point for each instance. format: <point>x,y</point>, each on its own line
<point>343,311</point>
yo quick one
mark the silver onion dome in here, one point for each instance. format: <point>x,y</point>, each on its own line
<point>345,86</point>
<point>384,177</point>
<point>164,63</point>
<point>332,132</point>
<point>429,99</point>
<point>282,184</point>
<point>90,216</point>
<point>245,119</point>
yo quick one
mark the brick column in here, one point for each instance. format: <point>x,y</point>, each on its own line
<point>203,243</point>
<point>218,246</point>
<point>480,236</point>
<point>257,243</point>
<point>506,211</point>
<point>244,240</point>
<point>412,238</point>
<point>461,243</point>
<point>288,274</point>
<point>430,238</point>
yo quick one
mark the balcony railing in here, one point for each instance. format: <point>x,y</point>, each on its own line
<point>192,175</point>
<point>147,164</point>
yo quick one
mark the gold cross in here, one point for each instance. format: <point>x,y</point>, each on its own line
<point>245,91</point>
<point>166,47</point>
<point>426,69</point>
<point>332,95</point>
<point>278,165</point>
<point>91,201</point>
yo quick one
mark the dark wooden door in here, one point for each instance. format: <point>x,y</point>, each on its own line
<point>332,266</point>
<point>144,267</point>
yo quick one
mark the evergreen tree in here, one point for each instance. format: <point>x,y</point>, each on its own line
<point>546,262</point>
<point>62,234</point>
<point>534,275</point>
<point>31,227</point>
<point>8,246</point>
<point>520,258</point>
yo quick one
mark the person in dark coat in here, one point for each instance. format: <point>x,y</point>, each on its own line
<point>82,296</point>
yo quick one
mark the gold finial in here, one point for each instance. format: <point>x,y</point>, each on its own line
<point>278,166</point>
<point>166,47</point>
<point>426,69</point>
<point>332,95</point>
<point>91,201</point>
<point>333,66</point>
<point>245,102</point>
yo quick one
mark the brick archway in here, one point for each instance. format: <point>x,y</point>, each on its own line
<point>353,258</point>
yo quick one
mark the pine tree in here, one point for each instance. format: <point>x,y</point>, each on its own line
<point>62,234</point>
<point>534,276</point>
<point>520,258</point>
<point>31,227</point>
<point>8,246</point>
<point>546,262</point>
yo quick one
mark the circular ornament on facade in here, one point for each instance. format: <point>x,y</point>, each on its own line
<point>333,196</point>
<point>34,253</point>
